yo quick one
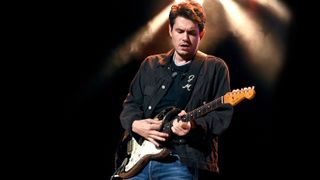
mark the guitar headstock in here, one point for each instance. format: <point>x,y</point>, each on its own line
<point>238,95</point>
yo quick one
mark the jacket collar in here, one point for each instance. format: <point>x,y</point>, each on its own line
<point>199,57</point>
<point>166,59</point>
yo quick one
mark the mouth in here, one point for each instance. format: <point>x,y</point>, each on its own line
<point>184,46</point>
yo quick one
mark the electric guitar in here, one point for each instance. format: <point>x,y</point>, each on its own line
<point>131,155</point>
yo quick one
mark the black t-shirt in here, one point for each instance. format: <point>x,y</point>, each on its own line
<point>176,92</point>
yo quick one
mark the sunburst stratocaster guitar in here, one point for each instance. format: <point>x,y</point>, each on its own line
<point>138,154</point>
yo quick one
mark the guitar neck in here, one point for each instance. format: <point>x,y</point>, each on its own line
<point>202,110</point>
<point>232,98</point>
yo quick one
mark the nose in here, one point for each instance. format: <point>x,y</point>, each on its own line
<point>185,36</point>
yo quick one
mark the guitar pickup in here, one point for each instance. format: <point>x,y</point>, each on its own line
<point>129,147</point>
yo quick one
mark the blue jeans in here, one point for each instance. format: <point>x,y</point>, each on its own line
<point>161,170</point>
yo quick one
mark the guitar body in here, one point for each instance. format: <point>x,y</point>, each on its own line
<point>131,155</point>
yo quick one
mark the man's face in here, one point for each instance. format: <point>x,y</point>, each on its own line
<point>185,37</point>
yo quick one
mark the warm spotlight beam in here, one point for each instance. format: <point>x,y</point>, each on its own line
<point>278,8</point>
<point>266,57</point>
<point>134,44</point>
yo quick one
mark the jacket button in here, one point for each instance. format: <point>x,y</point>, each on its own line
<point>163,86</point>
<point>149,107</point>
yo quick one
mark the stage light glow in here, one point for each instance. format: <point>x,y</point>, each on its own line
<point>278,8</point>
<point>135,43</point>
<point>265,56</point>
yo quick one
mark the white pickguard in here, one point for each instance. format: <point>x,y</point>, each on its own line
<point>141,151</point>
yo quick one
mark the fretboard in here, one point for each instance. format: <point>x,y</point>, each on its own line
<point>202,110</point>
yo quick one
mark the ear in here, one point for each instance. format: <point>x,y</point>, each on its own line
<point>202,33</point>
<point>170,31</point>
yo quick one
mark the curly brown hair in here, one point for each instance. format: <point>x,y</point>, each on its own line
<point>188,9</point>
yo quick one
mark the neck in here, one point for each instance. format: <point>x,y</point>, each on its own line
<point>179,61</point>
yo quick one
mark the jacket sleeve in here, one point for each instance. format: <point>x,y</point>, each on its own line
<point>219,119</point>
<point>132,105</point>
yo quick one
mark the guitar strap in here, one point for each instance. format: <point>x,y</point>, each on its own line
<point>191,78</point>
